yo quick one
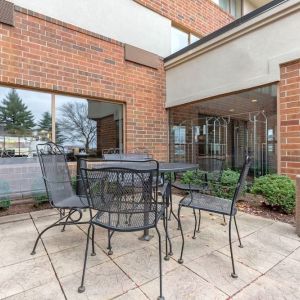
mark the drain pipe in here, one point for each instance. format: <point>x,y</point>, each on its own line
<point>297,215</point>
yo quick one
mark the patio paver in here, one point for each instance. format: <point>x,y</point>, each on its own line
<point>268,266</point>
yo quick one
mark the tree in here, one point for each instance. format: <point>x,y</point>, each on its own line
<point>75,125</point>
<point>45,124</point>
<point>15,114</point>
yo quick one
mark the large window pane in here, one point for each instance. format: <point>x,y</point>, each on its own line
<point>22,121</point>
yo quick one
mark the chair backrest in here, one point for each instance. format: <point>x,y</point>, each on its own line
<point>213,166</point>
<point>242,181</point>
<point>55,172</point>
<point>124,189</point>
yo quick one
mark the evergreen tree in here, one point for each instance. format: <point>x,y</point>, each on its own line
<point>45,123</point>
<point>16,116</point>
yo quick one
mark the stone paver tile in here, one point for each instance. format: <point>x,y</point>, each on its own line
<point>103,281</point>
<point>64,240</point>
<point>23,276</point>
<point>70,260</point>
<point>296,255</point>
<point>267,289</point>
<point>17,248</point>
<point>286,272</point>
<point>135,294</point>
<point>252,221</point>
<point>207,240</point>
<point>283,229</point>
<point>100,232</point>
<point>14,218</point>
<point>143,265</point>
<point>48,291</point>
<point>43,213</point>
<point>181,284</point>
<point>44,222</point>
<point>262,250</point>
<point>124,242</point>
<point>216,269</point>
<point>25,227</point>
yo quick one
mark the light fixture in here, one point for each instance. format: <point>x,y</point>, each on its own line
<point>231,110</point>
<point>254,100</point>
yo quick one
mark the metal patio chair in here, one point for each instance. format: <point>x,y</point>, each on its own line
<point>122,193</point>
<point>59,188</point>
<point>196,200</point>
<point>210,172</point>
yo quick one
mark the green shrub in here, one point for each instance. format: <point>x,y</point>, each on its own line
<point>5,203</point>
<point>40,198</point>
<point>74,182</point>
<point>227,186</point>
<point>278,191</point>
<point>4,196</point>
<point>195,177</point>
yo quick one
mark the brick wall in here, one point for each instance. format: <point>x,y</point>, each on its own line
<point>107,134</point>
<point>199,16</point>
<point>46,54</point>
<point>289,101</point>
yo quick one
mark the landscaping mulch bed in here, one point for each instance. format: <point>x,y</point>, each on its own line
<point>23,208</point>
<point>255,205</point>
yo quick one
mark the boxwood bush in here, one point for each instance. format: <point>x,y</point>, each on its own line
<point>279,191</point>
<point>225,189</point>
<point>227,186</point>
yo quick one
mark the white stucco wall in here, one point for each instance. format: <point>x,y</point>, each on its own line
<point>122,20</point>
<point>245,57</point>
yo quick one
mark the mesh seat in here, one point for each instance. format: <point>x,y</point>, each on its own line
<point>186,187</point>
<point>208,203</point>
<point>127,221</point>
<point>73,201</point>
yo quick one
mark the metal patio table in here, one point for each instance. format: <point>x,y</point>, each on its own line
<point>164,167</point>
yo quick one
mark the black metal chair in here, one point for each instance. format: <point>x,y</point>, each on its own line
<point>196,200</point>
<point>59,188</point>
<point>210,172</point>
<point>122,193</point>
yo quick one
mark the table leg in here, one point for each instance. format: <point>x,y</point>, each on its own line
<point>146,236</point>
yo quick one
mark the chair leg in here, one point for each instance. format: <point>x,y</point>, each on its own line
<point>224,220</point>
<point>168,240</point>
<point>180,260</point>
<point>238,234</point>
<point>69,216</point>
<point>171,203</point>
<point>81,289</point>
<point>199,221</point>
<point>93,241</point>
<point>161,297</point>
<point>233,274</point>
<point>195,226</point>
<point>57,223</point>
<point>110,252</point>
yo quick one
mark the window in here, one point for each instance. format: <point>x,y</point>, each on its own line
<point>181,39</point>
<point>234,7</point>
<point>28,118</point>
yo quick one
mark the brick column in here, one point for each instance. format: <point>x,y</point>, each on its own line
<point>289,109</point>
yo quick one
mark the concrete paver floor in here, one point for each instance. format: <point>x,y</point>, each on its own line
<point>268,266</point>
